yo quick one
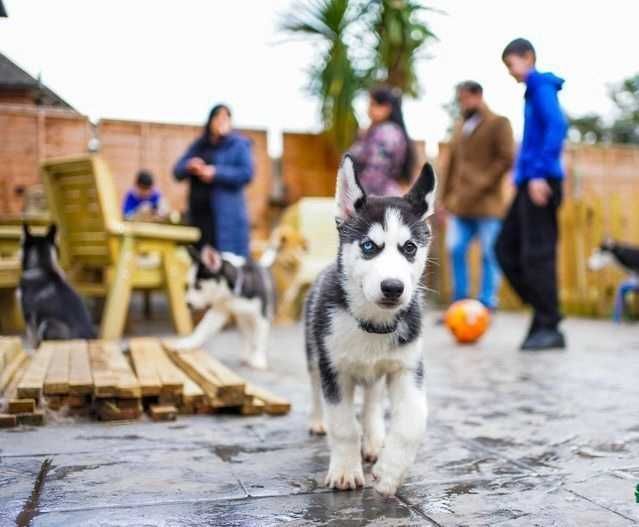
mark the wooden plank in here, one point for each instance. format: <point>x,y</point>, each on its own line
<point>163,412</point>
<point>21,406</point>
<point>80,377</point>
<point>127,385</point>
<point>30,386</point>
<point>105,382</point>
<point>8,421</point>
<point>56,381</point>
<point>218,382</point>
<point>10,347</point>
<point>252,406</point>
<point>11,370</point>
<point>273,404</point>
<point>33,419</point>
<point>145,367</point>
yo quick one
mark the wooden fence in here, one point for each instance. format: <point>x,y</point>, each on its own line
<point>30,134</point>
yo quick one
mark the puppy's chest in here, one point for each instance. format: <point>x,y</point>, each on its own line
<point>366,356</point>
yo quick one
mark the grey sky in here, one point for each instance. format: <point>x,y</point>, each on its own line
<point>170,61</point>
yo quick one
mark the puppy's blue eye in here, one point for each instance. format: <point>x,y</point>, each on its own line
<point>409,248</point>
<point>368,247</point>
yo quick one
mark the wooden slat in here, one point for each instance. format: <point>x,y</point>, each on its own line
<point>105,383</point>
<point>30,386</point>
<point>220,384</point>
<point>145,367</point>
<point>9,348</point>
<point>56,381</point>
<point>127,386</point>
<point>273,404</point>
<point>80,377</point>
<point>11,369</point>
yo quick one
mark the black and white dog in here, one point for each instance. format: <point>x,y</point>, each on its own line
<point>229,286</point>
<point>611,252</point>
<point>363,327</point>
<point>51,308</point>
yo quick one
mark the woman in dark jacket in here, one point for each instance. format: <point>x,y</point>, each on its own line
<point>219,165</point>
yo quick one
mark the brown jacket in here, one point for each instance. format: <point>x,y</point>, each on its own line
<point>478,163</point>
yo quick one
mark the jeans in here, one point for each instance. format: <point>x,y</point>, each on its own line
<point>527,252</point>
<point>460,233</point>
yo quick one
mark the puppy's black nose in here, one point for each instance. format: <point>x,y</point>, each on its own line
<point>392,288</point>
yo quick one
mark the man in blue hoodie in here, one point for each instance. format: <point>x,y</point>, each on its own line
<point>527,246</point>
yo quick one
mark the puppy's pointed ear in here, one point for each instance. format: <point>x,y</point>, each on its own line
<point>26,233</point>
<point>422,194</point>
<point>53,230</point>
<point>211,259</point>
<point>349,195</point>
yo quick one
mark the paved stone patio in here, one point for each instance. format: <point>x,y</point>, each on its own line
<point>513,439</point>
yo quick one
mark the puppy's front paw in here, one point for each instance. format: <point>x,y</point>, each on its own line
<point>345,475</point>
<point>386,481</point>
<point>371,447</point>
<point>257,363</point>
<point>316,427</point>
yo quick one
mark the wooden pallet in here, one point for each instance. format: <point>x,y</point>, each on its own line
<point>16,410</point>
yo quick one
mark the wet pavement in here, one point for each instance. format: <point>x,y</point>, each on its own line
<point>513,439</point>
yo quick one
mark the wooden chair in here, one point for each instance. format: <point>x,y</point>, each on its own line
<point>102,253</point>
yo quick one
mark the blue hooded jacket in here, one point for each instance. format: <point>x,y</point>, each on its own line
<point>231,156</point>
<point>545,128</point>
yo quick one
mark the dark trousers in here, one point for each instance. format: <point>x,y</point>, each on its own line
<point>527,253</point>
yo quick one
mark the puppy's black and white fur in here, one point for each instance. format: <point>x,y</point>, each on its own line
<point>363,327</point>
<point>611,252</point>
<point>229,286</point>
<point>51,308</point>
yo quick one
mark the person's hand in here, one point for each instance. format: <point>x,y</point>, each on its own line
<point>206,173</point>
<point>194,165</point>
<point>539,191</point>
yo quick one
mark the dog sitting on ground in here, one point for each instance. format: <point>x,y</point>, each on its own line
<point>51,308</point>
<point>230,287</point>
<point>284,255</point>
<point>363,327</point>
<point>611,252</point>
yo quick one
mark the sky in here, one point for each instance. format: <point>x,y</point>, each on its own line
<point>171,61</point>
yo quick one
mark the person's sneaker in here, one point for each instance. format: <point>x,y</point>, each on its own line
<point>544,339</point>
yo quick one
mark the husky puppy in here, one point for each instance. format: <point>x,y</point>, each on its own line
<point>229,286</point>
<point>611,252</point>
<point>51,308</point>
<point>363,327</point>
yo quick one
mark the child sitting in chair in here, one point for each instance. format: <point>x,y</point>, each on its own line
<point>144,201</point>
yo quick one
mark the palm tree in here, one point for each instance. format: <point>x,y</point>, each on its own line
<point>334,78</point>
<point>400,36</point>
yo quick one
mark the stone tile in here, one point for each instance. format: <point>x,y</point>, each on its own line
<point>521,501</point>
<point>114,479</point>
<point>330,509</point>
<point>17,478</point>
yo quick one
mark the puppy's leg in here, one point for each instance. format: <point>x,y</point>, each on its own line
<point>344,438</point>
<point>373,421</point>
<point>316,425</point>
<point>246,332</point>
<point>212,322</point>
<point>407,427</point>
<point>259,346</point>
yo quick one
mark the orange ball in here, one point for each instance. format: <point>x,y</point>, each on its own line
<point>467,320</point>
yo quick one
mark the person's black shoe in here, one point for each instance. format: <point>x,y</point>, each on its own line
<point>544,339</point>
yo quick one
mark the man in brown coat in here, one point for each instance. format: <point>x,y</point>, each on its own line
<point>481,154</point>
